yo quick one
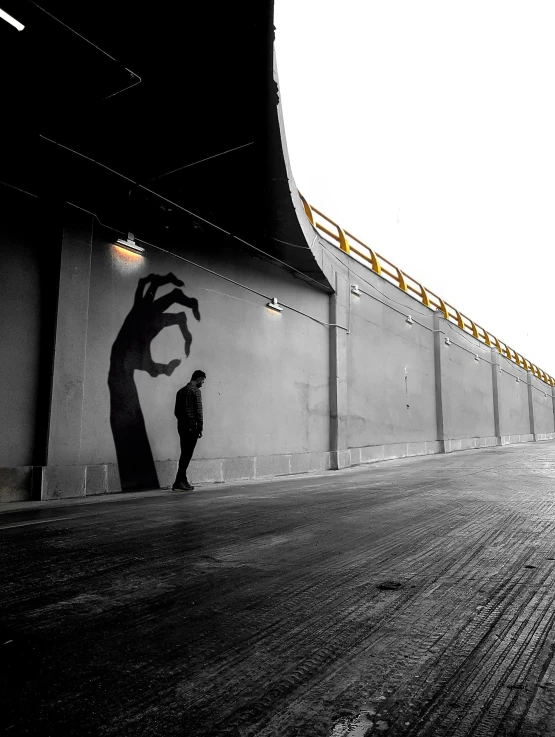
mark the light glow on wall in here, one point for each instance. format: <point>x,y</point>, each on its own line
<point>126,260</point>
<point>127,255</point>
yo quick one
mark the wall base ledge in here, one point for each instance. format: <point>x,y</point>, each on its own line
<point>16,484</point>
<point>374,453</point>
<point>34,483</point>
<point>29,483</point>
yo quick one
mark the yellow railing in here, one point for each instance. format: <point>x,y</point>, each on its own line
<point>380,265</point>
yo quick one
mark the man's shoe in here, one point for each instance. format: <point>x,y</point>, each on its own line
<point>182,487</point>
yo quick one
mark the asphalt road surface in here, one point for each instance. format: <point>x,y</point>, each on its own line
<point>410,597</point>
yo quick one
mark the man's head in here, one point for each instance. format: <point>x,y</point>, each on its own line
<point>198,377</point>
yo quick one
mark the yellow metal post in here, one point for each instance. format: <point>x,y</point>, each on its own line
<point>443,308</point>
<point>401,278</point>
<point>343,242</point>
<point>486,336</point>
<point>376,266</point>
<point>425,298</point>
<point>460,321</point>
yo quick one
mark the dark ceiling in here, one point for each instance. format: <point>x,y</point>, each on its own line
<point>200,82</point>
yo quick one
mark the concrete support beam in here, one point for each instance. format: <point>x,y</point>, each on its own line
<point>531,404</point>
<point>439,343</point>
<point>68,377</point>
<point>338,315</point>
<point>495,383</point>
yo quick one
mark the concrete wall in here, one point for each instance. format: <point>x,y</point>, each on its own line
<point>266,396</point>
<point>457,398</point>
<point>542,403</point>
<point>91,369</point>
<point>466,385</point>
<point>267,385</point>
<point>349,381</point>
<point>391,386</point>
<point>20,340</point>
<point>28,282</point>
<point>514,415</point>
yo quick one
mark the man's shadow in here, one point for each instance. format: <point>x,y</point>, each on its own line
<point>130,353</point>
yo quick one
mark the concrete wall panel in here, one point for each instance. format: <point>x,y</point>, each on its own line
<point>513,399</point>
<point>391,367</point>
<point>238,468</point>
<point>467,386</point>
<point>20,341</point>
<point>16,484</point>
<point>29,255</point>
<point>96,481</point>
<point>543,407</point>
<point>63,482</point>
<point>66,416</point>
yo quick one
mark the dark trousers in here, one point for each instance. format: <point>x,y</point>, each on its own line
<point>188,438</point>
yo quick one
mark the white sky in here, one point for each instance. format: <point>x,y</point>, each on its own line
<point>427,129</point>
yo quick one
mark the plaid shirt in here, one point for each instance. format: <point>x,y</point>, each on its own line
<point>188,407</point>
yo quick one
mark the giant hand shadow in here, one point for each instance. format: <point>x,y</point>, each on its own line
<point>130,353</point>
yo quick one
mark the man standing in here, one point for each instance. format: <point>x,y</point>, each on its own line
<point>188,410</point>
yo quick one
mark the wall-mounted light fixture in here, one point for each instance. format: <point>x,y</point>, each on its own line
<point>517,380</point>
<point>476,357</point>
<point>409,320</point>
<point>130,243</point>
<point>355,290</point>
<point>447,341</point>
<point>275,305</point>
<point>12,21</point>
